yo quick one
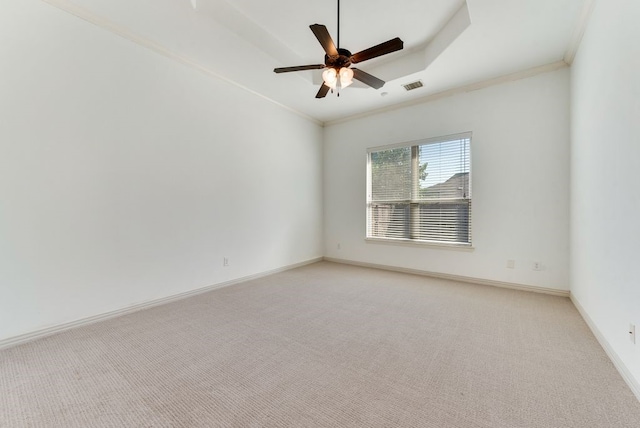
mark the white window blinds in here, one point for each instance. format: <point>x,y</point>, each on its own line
<point>421,192</point>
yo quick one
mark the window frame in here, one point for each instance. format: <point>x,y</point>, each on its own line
<point>410,241</point>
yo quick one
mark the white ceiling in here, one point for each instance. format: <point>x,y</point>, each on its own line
<point>243,40</point>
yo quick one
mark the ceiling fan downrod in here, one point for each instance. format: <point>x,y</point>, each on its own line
<point>338,24</point>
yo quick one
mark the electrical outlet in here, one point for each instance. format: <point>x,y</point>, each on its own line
<point>537,266</point>
<point>225,262</point>
<point>511,264</point>
<point>632,333</point>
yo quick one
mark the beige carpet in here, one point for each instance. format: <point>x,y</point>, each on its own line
<point>325,345</point>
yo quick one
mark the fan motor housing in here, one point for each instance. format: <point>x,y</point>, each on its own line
<point>343,59</point>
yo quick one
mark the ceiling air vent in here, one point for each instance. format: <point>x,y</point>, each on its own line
<point>413,85</point>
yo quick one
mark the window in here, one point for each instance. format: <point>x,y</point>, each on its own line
<point>421,191</point>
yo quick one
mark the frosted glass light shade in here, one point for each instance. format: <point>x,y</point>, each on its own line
<point>330,77</point>
<point>346,77</point>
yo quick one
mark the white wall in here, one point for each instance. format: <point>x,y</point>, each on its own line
<point>605,175</point>
<point>520,181</point>
<point>126,177</point>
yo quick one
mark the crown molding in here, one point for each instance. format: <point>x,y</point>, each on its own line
<point>578,30</point>
<point>105,24</point>
<point>457,90</point>
<point>108,25</point>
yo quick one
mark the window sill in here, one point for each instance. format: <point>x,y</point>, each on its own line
<point>410,243</point>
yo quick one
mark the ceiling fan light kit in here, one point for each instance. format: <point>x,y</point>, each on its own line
<point>337,61</point>
<point>331,77</point>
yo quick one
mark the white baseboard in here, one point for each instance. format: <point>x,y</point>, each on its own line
<point>459,278</point>
<point>38,334</point>
<point>608,349</point>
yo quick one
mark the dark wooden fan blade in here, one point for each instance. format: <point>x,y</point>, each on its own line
<point>299,68</point>
<point>367,78</point>
<point>323,91</point>
<point>378,50</point>
<point>322,34</point>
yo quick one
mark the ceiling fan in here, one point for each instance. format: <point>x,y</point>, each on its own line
<point>337,61</point>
